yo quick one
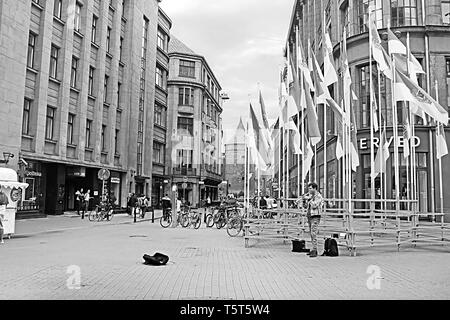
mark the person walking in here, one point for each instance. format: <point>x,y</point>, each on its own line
<point>313,203</point>
<point>1,229</point>
<point>87,198</point>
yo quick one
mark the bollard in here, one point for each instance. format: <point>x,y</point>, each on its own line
<point>153,215</point>
<point>135,215</point>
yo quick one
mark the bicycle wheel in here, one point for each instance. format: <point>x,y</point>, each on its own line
<point>93,215</point>
<point>185,221</point>
<point>234,227</point>
<point>209,221</point>
<point>220,223</point>
<point>197,222</point>
<point>165,221</point>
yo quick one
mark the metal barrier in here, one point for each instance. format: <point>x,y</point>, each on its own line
<point>356,228</point>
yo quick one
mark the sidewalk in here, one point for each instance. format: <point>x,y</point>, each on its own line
<point>72,221</point>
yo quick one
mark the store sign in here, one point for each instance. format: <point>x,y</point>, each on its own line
<point>364,142</point>
<point>76,172</point>
<point>33,174</point>
<point>115,180</point>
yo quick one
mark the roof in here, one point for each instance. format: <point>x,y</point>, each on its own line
<point>176,46</point>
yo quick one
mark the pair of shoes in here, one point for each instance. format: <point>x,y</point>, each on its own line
<point>313,254</point>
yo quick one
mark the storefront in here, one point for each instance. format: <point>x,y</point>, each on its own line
<point>32,203</point>
<point>158,190</point>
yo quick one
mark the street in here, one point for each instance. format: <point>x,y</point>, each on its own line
<point>43,259</point>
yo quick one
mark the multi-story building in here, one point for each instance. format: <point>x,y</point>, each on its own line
<point>160,169</point>
<point>78,94</point>
<point>195,125</point>
<point>428,25</point>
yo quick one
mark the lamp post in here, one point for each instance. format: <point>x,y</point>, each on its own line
<point>6,157</point>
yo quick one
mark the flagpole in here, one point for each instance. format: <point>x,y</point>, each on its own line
<point>441,190</point>
<point>411,184</point>
<point>298,114</point>
<point>245,170</point>
<point>395,130</point>
<point>325,109</point>
<point>372,156</point>
<point>380,136</point>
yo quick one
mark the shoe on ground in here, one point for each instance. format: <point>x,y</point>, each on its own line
<point>313,254</point>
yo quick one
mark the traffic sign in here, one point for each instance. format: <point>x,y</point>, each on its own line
<point>184,185</point>
<point>201,182</point>
<point>185,179</point>
<point>104,174</point>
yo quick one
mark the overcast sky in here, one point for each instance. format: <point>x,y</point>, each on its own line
<point>242,40</point>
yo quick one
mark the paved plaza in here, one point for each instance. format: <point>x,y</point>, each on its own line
<point>40,262</point>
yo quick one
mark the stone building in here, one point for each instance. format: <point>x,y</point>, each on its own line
<point>77,94</point>
<point>195,125</point>
<point>428,25</point>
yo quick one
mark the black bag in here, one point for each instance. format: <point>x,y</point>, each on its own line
<point>158,259</point>
<point>299,246</point>
<point>331,248</point>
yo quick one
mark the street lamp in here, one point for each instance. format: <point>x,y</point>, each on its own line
<point>6,157</point>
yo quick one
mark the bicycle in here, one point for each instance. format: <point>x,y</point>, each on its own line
<point>235,224</point>
<point>195,219</point>
<point>101,212</point>
<point>166,220</point>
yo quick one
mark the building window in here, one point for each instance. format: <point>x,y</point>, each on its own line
<point>187,68</point>
<point>445,11</point>
<point>50,122</point>
<point>77,17</point>
<point>184,159</point>
<point>119,88</point>
<point>70,123</point>
<point>31,50</point>
<point>185,126</point>
<point>94,28</point>
<point>116,142</point>
<point>162,40</point>
<point>160,117</point>
<point>186,97</point>
<point>74,72</point>
<point>91,81</point>
<point>88,133</point>
<point>103,138</point>
<point>26,117</point>
<point>54,52</point>
<point>363,13</point>
<point>160,77</point>
<point>121,49</point>
<point>403,13</point>
<point>57,9</point>
<point>158,152</point>
<point>108,40</point>
<point>105,94</point>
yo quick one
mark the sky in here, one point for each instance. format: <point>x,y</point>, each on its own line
<point>242,40</point>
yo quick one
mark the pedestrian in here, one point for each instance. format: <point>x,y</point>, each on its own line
<point>1,229</point>
<point>133,203</point>
<point>269,202</point>
<point>87,197</point>
<point>262,203</point>
<point>166,204</point>
<point>313,203</point>
<point>79,196</point>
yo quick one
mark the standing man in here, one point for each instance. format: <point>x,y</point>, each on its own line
<point>313,203</point>
<point>87,197</point>
<point>79,199</point>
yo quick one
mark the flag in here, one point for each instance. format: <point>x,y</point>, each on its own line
<point>322,90</point>
<point>378,52</point>
<point>295,91</point>
<point>313,121</point>
<point>260,140</point>
<point>400,52</point>
<point>255,157</point>
<point>407,90</point>
<point>304,66</point>
<point>354,142</point>
<point>306,166</point>
<point>441,144</point>
<point>330,75</point>
<point>406,131</point>
<point>296,138</point>
<point>347,79</point>
<point>339,149</point>
<point>266,127</point>
<point>374,110</point>
<point>340,136</point>
<point>383,154</point>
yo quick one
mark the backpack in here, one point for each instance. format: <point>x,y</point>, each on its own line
<point>331,248</point>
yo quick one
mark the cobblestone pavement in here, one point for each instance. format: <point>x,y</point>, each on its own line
<point>204,264</point>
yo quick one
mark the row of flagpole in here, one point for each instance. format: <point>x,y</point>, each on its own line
<point>401,70</point>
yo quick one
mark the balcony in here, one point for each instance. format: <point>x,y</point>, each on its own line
<point>184,171</point>
<point>211,172</point>
<point>186,109</point>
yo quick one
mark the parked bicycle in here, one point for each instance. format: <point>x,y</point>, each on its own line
<point>101,212</point>
<point>167,218</point>
<point>195,219</point>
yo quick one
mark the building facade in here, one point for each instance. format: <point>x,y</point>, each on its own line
<point>428,25</point>
<point>235,161</point>
<point>195,125</point>
<point>78,83</point>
